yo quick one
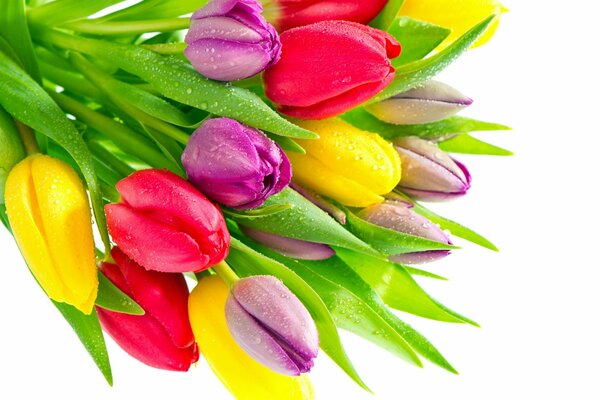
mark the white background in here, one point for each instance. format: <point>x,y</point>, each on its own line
<point>537,300</point>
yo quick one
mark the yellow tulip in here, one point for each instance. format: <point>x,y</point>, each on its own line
<point>352,166</point>
<point>50,217</point>
<point>457,15</point>
<point>245,378</point>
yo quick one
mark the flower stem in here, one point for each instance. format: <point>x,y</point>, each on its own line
<point>129,27</point>
<point>28,139</point>
<point>226,273</point>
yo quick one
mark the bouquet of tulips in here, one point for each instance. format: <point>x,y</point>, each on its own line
<point>272,157</point>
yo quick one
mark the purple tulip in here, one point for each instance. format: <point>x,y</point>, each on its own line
<point>230,40</point>
<point>269,322</point>
<point>428,173</point>
<point>289,247</point>
<point>398,216</point>
<point>235,165</point>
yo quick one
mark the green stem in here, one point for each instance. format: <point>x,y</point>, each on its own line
<point>129,27</point>
<point>226,273</point>
<point>28,139</point>
<point>166,48</point>
<point>110,159</point>
<point>158,125</point>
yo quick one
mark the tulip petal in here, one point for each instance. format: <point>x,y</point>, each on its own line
<point>245,378</point>
<point>221,28</point>
<point>289,247</point>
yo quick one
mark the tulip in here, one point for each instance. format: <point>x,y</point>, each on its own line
<point>289,247</point>
<point>311,81</point>
<point>399,216</point>
<point>162,337</point>
<point>458,15</point>
<point>245,378</point>
<point>164,224</point>
<point>272,325</point>
<point>428,173</point>
<point>50,217</point>
<point>351,166</point>
<point>230,40</point>
<point>293,13</point>
<point>430,102</point>
<point>12,148</point>
<point>235,165</point>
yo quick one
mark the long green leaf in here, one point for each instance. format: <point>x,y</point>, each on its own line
<point>154,9</point>
<point>386,16</point>
<point>25,100</point>
<point>417,38</point>
<point>4,217</point>
<point>410,75</point>
<point>87,328</point>
<point>62,11</point>
<point>176,80</point>
<point>112,298</point>
<point>467,144</point>
<point>248,261</point>
<point>440,130</point>
<point>305,221</point>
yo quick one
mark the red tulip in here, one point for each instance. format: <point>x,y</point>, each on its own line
<point>162,337</point>
<point>329,67</point>
<point>165,224</point>
<point>293,13</point>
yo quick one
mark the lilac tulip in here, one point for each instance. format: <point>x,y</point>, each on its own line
<point>269,322</point>
<point>289,247</point>
<point>399,216</point>
<point>428,173</point>
<point>230,40</point>
<point>235,165</point>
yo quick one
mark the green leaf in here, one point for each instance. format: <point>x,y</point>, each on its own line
<point>256,213</point>
<point>155,9</point>
<point>410,75</point>
<point>386,17</point>
<point>176,80</point>
<point>248,261</point>
<point>87,328</point>
<point>112,298</point>
<point>14,29</point>
<point>25,100</point>
<point>466,144</point>
<point>397,287</point>
<point>390,242</point>
<point>304,221</point>
<point>417,38</point>
<point>4,217</point>
<point>62,11</point>
<point>421,272</point>
<point>439,130</point>
<point>287,144</point>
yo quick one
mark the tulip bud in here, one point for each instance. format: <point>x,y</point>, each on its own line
<point>399,216</point>
<point>235,165</point>
<point>12,148</point>
<point>50,217</point>
<point>162,337</point>
<point>458,16</point>
<point>230,40</point>
<point>354,167</point>
<point>430,102</point>
<point>428,173</point>
<point>272,325</point>
<point>313,82</point>
<point>245,378</point>
<point>164,224</point>
<point>289,247</point>
<point>293,13</point>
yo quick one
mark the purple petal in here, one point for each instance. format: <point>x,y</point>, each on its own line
<point>221,28</point>
<point>221,7</point>
<point>420,257</point>
<point>289,247</point>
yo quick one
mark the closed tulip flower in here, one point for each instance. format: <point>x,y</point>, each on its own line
<point>230,40</point>
<point>235,165</point>
<point>162,337</point>
<point>244,377</point>
<point>12,148</point>
<point>50,217</point>
<point>399,216</point>
<point>165,224</point>
<point>292,13</point>
<point>329,67</point>
<point>349,165</point>
<point>269,322</point>
<point>428,173</point>
<point>458,15</point>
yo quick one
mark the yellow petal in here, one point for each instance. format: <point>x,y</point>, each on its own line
<point>458,15</point>
<point>49,212</point>
<point>244,378</point>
